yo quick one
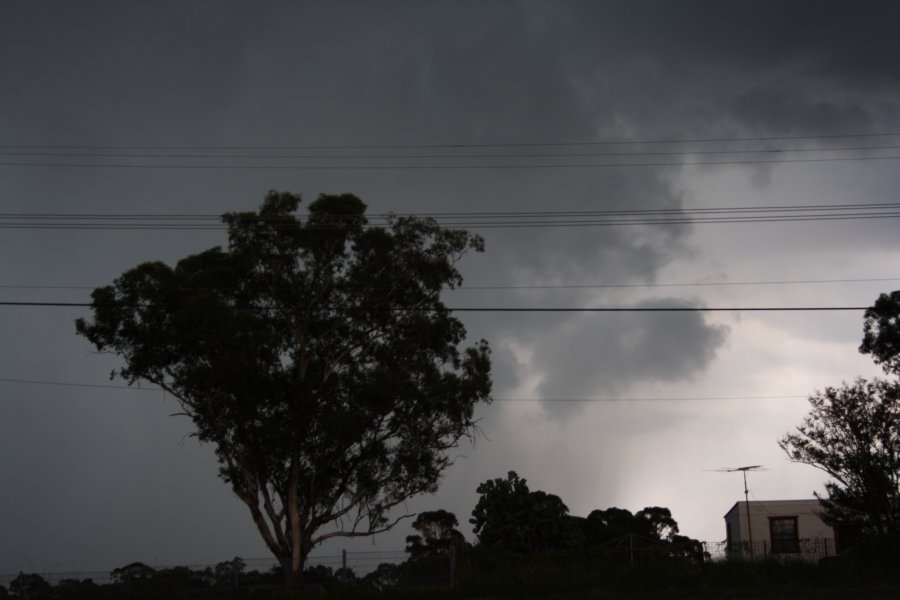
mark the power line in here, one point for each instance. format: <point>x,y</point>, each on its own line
<point>475,220</point>
<point>615,142</point>
<point>494,155</point>
<point>481,214</point>
<point>514,399</point>
<point>81,385</point>
<point>438,167</point>
<point>473,225</point>
<point>676,211</point>
<point>654,285</point>
<point>511,309</point>
<point>654,399</point>
<point>542,286</point>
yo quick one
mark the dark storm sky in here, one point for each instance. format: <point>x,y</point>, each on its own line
<point>94,478</point>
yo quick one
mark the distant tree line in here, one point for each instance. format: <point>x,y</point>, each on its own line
<point>508,518</point>
<point>512,517</point>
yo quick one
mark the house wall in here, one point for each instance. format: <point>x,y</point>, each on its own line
<point>809,524</point>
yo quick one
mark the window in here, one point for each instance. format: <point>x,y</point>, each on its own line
<point>783,531</point>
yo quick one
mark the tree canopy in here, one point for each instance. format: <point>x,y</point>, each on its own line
<point>881,332</point>
<point>653,522</point>
<point>438,535</point>
<point>511,516</point>
<point>317,357</point>
<point>853,433</point>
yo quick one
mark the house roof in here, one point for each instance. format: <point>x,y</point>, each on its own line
<point>797,503</point>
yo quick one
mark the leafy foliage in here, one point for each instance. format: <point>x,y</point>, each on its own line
<point>881,332</point>
<point>132,572</point>
<point>853,434</point>
<point>438,535</point>
<point>652,522</point>
<point>227,573</point>
<point>513,517</point>
<point>29,585</point>
<point>657,521</point>
<point>316,356</point>
<point>384,576</point>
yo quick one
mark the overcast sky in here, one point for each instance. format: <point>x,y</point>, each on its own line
<point>94,478</point>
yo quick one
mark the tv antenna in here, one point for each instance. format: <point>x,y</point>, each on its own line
<point>744,470</point>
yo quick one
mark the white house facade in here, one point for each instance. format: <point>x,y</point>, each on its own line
<point>778,529</point>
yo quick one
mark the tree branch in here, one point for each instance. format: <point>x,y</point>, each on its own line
<point>352,533</point>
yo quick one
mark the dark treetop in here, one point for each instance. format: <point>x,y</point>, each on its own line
<point>326,404</point>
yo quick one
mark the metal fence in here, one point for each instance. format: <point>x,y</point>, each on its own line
<point>385,569</point>
<point>376,569</point>
<point>808,550</point>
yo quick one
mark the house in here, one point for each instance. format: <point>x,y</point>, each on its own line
<point>778,529</point>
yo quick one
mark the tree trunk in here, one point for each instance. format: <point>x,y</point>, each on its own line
<point>291,577</point>
<point>294,561</point>
<point>296,550</point>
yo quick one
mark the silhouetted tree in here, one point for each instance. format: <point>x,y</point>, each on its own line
<point>604,525</point>
<point>438,535</point>
<point>653,524</point>
<point>227,573</point>
<point>29,586</point>
<point>319,574</point>
<point>317,357</point>
<point>76,588</point>
<point>689,548</point>
<point>183,578</point>
<point>881,332</point>
<point>511,516</point>
<point>132,572</point>
<point>853,434</point>
<point>385,575</point>
<point>656,522</point>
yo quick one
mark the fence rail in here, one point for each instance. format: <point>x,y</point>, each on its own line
<point>809,550</point>
<point>386,569</point>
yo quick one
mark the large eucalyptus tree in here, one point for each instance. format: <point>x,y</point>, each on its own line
<point>316,356</point>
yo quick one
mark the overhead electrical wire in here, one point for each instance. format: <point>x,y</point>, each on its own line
<point>477,220</point>
<point>494,155</point>
<point>655,285</point>
<point>616,142</point>
<point>514,399</point>
<point>510,309</point>
<point>479,214</point>
<point>437,167</point>
<point>474,225</point>
<point>545,286</point>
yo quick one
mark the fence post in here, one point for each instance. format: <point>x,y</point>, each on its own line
<point>765,549</point>
<point>344,560</point>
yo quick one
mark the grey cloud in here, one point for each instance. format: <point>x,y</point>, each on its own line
<point>683,68</point>
<point>783,108</point>
<point>405,72</point>
<point>594,354</point>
